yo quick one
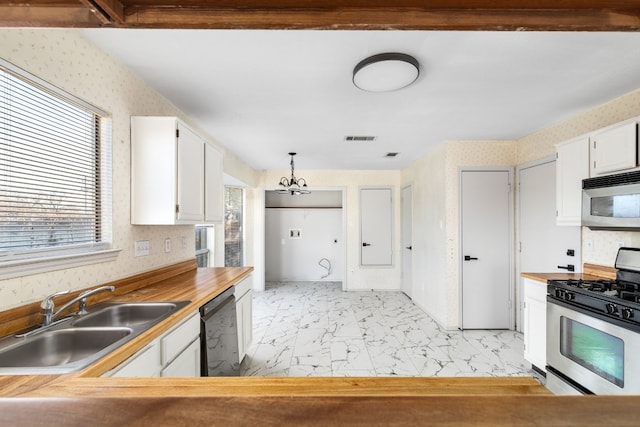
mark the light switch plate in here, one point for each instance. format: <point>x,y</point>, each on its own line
<point>142,248</point>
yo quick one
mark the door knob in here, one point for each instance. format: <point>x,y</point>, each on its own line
<point>366,244</point>
<point>470,258</point>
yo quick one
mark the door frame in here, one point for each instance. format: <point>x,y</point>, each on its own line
<point>408,187</point>
<point>260,235</point>
<point>518,251</point>
<point>510,171</point>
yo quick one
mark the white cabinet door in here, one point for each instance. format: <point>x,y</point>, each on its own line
<point>214,185</point>
<point>535,323</point>
<point>173,342</point>
<point>186,364</point>
<point>614,149</point>
<point>175,353</point>
<point>244,315</point>
<point>190,179</point>
<point>572,166</point>
<point>145,363</point>
<point>376,226</point>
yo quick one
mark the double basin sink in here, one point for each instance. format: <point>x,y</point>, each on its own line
<point>74,343</point>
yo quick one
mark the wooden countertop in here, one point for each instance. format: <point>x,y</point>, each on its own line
<point>85,398</point>
<point>198,285</point>
<point>591,272</point>
<point>292,410</point>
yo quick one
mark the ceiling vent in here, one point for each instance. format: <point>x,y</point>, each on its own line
<point>391,155</point>
<point>359,138</point>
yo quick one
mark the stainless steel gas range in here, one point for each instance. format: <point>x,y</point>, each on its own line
<point>593,332</point>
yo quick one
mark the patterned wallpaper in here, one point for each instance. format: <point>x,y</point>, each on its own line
<point>67,60</point>
<point>542,143</point>
<point>603,244</point>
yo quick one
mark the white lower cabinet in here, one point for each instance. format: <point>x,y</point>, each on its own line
<point>244,315</point>
<point>174,354</point>
<point>145,363</point>
<point>186,364</point>
<point>535,323</point>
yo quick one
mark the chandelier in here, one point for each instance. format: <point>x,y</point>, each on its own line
<point>293,185</point>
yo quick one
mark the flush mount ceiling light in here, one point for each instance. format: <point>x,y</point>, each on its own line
<point>386,72</point>
<point>293,186</point>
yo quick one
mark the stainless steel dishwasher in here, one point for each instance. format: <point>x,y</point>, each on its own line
<point>219,337</point>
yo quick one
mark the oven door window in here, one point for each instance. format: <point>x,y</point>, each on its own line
<point>597,351</point>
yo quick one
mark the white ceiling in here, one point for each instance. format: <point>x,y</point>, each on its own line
<point>264,93</point>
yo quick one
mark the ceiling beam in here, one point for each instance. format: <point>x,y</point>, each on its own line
<point>385,19</point>
<point>66,16</point>
<point>107,11</point>
<point>533,15</point>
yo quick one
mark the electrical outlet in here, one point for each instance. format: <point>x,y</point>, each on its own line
<point>142,247</point>
<point>167,245</point>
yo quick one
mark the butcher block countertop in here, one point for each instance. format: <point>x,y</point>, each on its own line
<point>590,272</point>
<point>84,398</point>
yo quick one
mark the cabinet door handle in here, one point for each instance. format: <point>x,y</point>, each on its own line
<point>470,258</point>
<point>569,267</point>
<point>366,244</point>
<point>409,247</point>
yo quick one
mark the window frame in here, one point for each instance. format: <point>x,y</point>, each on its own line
<point>242,224</point>
<point>41,260</point>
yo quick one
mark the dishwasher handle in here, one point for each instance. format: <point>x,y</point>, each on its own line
<point>210,308</point>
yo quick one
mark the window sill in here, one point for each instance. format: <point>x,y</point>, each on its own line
<point>25,267</point>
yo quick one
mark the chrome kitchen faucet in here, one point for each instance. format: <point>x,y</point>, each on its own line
<point>47,305</point>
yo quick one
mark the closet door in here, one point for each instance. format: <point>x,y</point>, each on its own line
<point>376,226</point>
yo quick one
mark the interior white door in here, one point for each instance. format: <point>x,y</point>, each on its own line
<point>407,248</point>
<point>543,245</point>
<point>486,245</point>
<point>376,226</point>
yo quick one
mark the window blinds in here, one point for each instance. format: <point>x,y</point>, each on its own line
<point>49,168</point>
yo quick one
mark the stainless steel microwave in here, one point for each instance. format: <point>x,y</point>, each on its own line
<point>612,202</point>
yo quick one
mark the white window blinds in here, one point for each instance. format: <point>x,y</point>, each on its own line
<point>49,168</point>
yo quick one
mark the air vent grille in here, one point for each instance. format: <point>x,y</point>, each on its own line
<point>626,178</point>
<point>359,138</point>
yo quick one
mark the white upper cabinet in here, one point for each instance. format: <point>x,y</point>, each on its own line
<point>190,176</point>
<point>614,149</point>
<point>572,166</point>
<point>170,174</point>
<point>214,185</point>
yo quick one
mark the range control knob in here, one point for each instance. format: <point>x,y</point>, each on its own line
<point>569,296</point>
<point>627,313</point>
<point>611,308</point>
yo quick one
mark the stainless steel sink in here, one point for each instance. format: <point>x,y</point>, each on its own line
<point>76,342</point>
<point>128,314</point>
<point>61,348</point>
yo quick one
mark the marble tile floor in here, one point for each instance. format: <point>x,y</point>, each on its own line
<point>316,329</point>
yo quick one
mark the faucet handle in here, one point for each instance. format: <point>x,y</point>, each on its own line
<point>47,303</point>
<point>83,297</point>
